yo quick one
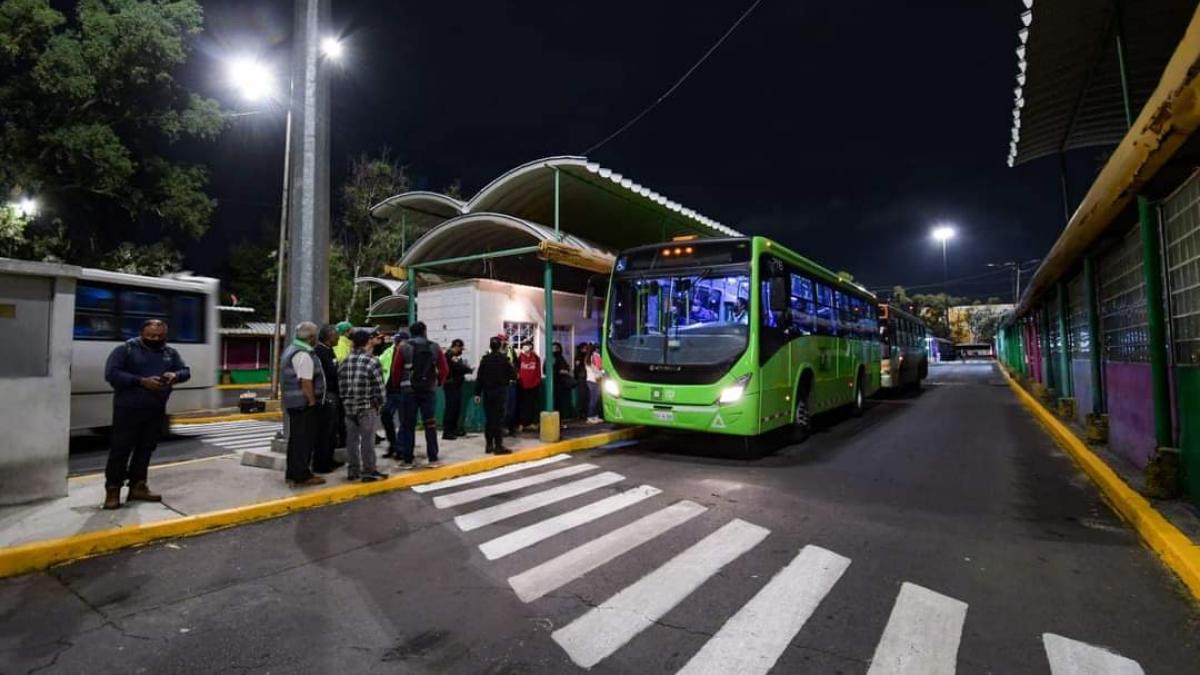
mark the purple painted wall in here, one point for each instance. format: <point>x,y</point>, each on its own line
<point>1081,380</point>
<point>1130,411</point>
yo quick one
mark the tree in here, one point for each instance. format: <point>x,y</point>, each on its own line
<point>88,105</point>
<point>363,243</point>
<point>250,272</point>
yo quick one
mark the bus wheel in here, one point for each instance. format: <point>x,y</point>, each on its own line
<point>802,422</point>
<point>857,410</point>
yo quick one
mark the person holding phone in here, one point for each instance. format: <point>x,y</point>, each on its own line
<point>142,372</point>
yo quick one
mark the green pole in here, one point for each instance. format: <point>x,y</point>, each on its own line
<point>1064,355</point>
<point>403,232</point>
<point>1047,371</point>
<point>1152,272</point>
<point>548,287</point>
<point>1157,328</point>
<point>411,275</point>
<point>1096,353</point>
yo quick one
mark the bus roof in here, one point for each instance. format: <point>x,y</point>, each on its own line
<point>180,282</point>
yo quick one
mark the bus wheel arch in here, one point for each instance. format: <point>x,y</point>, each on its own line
<point>802,408</point>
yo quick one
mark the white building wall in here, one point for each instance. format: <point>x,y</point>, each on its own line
<point>475,310</point>
<point>37,318</point>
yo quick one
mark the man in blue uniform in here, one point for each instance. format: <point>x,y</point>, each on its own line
<point>142,372</point>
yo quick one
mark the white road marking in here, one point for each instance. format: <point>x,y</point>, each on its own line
<point>1071,657</point>
<point>604,629</point>
<point>204,428</point>
<point>494,514</point>
<point>922,634</point>
<point>234,438</point>
<point>558,572</point>
<point>486,475</point>
<point>475,494</point>
<point>528,536</point>
<point>754,638</point>
<point>245,445</point>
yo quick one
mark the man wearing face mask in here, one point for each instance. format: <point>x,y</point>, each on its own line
<point>142,372</point>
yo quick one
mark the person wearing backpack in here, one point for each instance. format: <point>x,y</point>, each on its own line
<point>422,369</point>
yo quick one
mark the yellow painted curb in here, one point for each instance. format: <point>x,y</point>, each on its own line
<point>42,554</point>
<point>233,417</point>
<point>1172,546</point>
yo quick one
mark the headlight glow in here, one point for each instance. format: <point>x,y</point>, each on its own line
<point>611,387</point>
<point>733,393</point>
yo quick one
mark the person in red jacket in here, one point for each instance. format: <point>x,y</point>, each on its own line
<point>529,386</point>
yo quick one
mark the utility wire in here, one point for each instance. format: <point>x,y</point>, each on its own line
<point>992,273</point>
<point>678,82</point>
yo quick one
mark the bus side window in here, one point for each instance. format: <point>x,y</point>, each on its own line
<point>95,313</point>
<point>801,304</point>
<point>187,319</point>
<point>826,312</point>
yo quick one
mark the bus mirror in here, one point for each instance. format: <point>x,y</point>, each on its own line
<point>589,299</point>
<point>779,295</point>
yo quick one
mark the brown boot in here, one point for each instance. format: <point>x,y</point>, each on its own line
<point>138,492</point>
<point>112,499</point>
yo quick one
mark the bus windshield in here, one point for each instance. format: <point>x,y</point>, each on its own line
<point>681,317</point>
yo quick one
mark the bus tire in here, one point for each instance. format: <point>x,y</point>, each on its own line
<point>802,415</point>
<point>859,396</point>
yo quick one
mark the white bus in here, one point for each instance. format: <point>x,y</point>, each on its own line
<point>110,308</point>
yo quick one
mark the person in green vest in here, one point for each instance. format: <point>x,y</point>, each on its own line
<point>343,347</point>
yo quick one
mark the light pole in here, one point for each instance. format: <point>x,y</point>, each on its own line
<point>943,234</point>
<point>1016,267</point>
<point>255,82</point>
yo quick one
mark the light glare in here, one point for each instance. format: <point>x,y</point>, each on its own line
<point>253,80</point>
<point>943,233</point>
<point>332,47</point>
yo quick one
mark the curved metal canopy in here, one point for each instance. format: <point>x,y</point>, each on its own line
<point>481,233</point>
<point>595,203</point>
<point>1068,92</point>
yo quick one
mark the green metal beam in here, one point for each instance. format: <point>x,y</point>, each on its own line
<point>548,288</point>
<point>1064,355</point>
<point>1096,353</point>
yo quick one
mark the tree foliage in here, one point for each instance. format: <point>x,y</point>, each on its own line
<point>89,105</point>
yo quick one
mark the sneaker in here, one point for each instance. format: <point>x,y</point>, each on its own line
<point>594,420</point>
<point>372,476</point>
<point>405,466</point>
<point>433,465</point>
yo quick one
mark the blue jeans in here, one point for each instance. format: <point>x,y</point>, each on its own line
<point>392,406</point>
<point>425,403</point>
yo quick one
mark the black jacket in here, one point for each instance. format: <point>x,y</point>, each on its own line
<point>495,370</point>
<point>130,362</point>
<point>458,370</point>
<point>329,365</point>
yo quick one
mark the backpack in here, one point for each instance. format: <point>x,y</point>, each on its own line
<point>424,371</point>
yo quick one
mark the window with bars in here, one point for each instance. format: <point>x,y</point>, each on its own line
<point>1123,323</point>
<point>1077,318</point>
<point>1181,229</point>
<point>520,331</point>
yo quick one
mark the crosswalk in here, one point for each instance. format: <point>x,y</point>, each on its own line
<point>232,436</point>
<point>922,633</point>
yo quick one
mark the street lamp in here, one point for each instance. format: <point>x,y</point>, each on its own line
<point>1016,267</point>
<point>252,79</point>
<point>943,234</point>
<point>332,48</point>
<point>26,207</point>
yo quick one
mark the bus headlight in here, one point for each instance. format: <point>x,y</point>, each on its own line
<point>612,388</point>
<point>733,393</point>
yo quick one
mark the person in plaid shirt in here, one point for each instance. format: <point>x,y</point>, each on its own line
<point>360,380</point>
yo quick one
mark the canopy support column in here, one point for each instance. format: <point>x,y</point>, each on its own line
<point>1095,353</point>
<point>548,287</point>
<point>1066,388</point>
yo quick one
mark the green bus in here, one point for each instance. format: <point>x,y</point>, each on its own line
<point>905,348</point>
<point>734,336</point>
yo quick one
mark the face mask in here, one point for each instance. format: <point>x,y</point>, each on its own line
<point>527,349</point>
<point>155,344</point>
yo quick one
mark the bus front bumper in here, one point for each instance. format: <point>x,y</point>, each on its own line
<point>730,418</point>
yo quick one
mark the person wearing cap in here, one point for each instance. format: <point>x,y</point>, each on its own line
<point>394,398</point>
<point>343,347</point>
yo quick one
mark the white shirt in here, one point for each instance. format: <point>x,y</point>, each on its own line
<point>302,363</point>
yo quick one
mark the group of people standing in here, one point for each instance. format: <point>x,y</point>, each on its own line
<point>336,383</point>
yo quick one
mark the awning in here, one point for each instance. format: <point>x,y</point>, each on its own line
<point>596,204</point>
<point>1068,84</point>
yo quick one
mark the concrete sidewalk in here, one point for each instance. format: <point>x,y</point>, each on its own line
<point>205,485</point>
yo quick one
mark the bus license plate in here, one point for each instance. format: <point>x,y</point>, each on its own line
<point>664,415</point>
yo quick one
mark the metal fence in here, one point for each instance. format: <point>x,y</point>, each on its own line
<point>1181,229</point>
<point>1078,336</point>
<point>1123,323</point>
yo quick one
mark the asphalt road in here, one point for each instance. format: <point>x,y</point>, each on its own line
<point>938,532</point>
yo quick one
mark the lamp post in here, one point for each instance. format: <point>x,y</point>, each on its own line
<point>255,82</point>
<point>943,234</point>
<point>1016,267</point>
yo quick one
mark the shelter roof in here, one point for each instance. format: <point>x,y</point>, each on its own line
<point>1068,90</point>
<point>595,204</point>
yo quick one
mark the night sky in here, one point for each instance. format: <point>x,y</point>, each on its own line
<point>845,130</point>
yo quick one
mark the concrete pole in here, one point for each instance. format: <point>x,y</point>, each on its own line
<point>308,153</point>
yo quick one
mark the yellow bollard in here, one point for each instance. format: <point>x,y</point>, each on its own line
<point>548,430</point>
